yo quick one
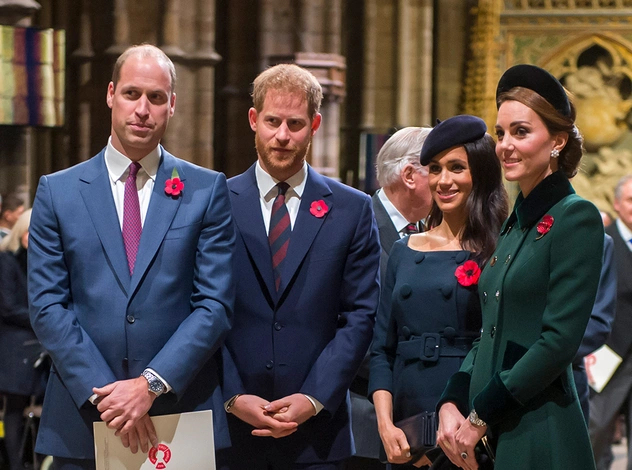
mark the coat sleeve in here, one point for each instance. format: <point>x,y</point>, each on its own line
<point>603,311</point>
<point>77,359</point>
<point>384,346</point>
<point>575,264</point>
<point>201,334</point>
<point>332,373</point>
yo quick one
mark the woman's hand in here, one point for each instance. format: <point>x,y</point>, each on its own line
<point>394,440</point>
<point>395,443</point>
<point>466,439</point>
<point>450,421</point>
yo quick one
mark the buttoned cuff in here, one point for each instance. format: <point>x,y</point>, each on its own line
<point>318,406</point>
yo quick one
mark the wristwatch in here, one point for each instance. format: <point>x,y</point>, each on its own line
<point>154,384</point>
<point>475,420</point>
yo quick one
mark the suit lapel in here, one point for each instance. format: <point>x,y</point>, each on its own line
<point>622,250</point>
<point>306,227</point>
<point>249,219</point>
<point>97,196</point>
<point>162,209</point>
<point>388,233</point>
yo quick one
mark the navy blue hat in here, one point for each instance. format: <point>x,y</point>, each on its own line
<point>454,131</point>
<point>538,80</point>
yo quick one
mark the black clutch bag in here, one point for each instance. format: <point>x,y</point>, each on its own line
<point>421,433</point>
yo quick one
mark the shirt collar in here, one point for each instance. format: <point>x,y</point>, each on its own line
<point>267,184</point>
<point>117,163</point>
<point>624,231</point>
<point>399,221</point>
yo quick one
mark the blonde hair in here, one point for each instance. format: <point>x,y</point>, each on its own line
<point>288,78</point>
<point>13,241</point>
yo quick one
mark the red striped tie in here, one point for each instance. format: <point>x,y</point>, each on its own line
<point>132,227</point>
<point>279,234</point>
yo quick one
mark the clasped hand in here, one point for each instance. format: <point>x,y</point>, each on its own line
<point>458,437</point>
<point>277,419</point>
<point>123,406</point>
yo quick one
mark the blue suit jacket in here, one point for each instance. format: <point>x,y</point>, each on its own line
<point>311,336</point>
<point>100,324</point>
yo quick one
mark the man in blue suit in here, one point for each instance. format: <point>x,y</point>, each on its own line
<point>307,290</point>
<point>130,276</point>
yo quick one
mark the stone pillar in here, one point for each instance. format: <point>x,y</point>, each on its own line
<point>16,148</point>
<point>121,29</point>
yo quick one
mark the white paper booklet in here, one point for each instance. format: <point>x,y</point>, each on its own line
<point>600,366</point>
<point>185,443</point>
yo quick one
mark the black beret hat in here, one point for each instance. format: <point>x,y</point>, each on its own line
<point>538,80</point>
<point>454,131</point>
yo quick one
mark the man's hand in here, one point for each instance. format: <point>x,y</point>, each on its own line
<point>251,409</point>
<point>142,433</point>
<point>294,408</point>
<point>123,403</point>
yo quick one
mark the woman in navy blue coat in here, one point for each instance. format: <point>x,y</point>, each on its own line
<point>429,312</point>
<point>19,348</point>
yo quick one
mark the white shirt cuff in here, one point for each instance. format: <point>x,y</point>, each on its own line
<point>318,406</point>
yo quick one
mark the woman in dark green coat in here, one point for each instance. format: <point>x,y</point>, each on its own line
<point>536,295</point>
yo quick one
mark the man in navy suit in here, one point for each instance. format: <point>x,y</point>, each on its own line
<point>305,306</point>
<point>130,276</point>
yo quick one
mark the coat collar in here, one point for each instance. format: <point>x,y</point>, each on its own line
<point>527,211</point>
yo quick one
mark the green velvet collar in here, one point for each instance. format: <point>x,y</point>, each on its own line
<point>527,211</point>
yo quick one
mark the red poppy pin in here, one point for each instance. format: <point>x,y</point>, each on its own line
<point>174,186</point>
<point>319,208</point>
<point>468,273</point>
<point>544,226</point>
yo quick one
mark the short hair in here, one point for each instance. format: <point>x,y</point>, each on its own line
<point>11,202</point>
<point>144,51</point>
<point>570,156</point>
<point>618,189</point>
<point>13,241</point>
<point>400,149</point>
<point>288,78</point>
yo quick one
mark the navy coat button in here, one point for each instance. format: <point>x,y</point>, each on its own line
<point>269,365</point>
<point>131,319</point>
<point>405,291</point>
<point>449,332</point>
<point>278,326</point>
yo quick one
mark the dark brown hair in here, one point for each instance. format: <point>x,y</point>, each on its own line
<point>571,155</point>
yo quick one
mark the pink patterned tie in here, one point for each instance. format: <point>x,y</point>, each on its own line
<point>132,227</point>
<point>280,230</point>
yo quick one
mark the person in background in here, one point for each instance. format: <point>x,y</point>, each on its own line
<point>400,206</point>
<point>19,348</point>
<point>11,209</point>
<point>308,258</point>
<point>616,396</point>
<point>537,293</point>
<point>429,312</point>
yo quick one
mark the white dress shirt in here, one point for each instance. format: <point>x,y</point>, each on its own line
<point>399,221</point>
<point>625,233</point>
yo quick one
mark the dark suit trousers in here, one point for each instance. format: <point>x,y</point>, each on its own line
<point>605,408</point>
<point>254,462</point>
<point>73,464</point>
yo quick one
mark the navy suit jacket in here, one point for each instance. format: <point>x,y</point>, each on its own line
<point>100,324</point>
<point>311,336</point>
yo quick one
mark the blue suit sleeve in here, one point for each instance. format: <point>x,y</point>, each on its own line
<point>603,311</point>
<point>77,359</point>
<point>212,299</point>
<point>333,371</point>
